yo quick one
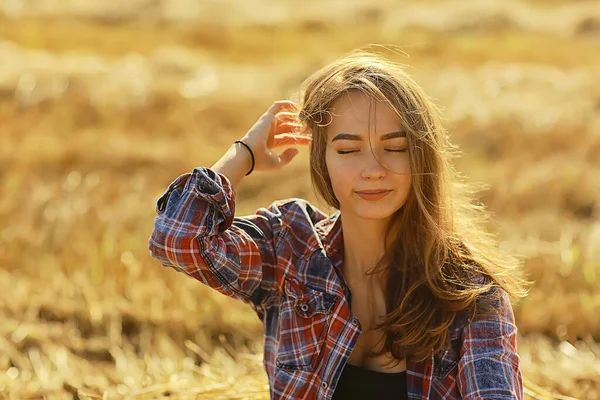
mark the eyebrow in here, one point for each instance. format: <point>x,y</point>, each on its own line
<point>349,136</point>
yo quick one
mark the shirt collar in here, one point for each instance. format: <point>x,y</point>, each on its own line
<point>330,233</point>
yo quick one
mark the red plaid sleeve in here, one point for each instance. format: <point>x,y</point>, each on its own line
<point>489,365</point>
<point>196,232</point>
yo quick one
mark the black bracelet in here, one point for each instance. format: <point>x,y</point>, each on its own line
<point>251,155</point>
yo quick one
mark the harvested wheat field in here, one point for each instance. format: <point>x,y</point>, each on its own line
<point>103,104</point>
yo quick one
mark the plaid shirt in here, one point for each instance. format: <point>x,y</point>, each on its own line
<point>285,262</point>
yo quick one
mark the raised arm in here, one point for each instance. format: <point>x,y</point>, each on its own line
<point>195,230</point>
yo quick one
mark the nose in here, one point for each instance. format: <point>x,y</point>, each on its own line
<point>373,170</point>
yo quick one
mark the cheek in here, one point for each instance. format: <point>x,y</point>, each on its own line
<point>333,165</point>
<point>338,174</point>
<point>399,164</point>
<point>403,178</point>
<point>408,183</point>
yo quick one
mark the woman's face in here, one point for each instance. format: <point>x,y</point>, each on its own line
<point>368,186</point>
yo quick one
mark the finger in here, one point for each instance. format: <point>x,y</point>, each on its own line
<point>293,135</point>
<point>284,116</point>
<point>291,140</point>
<point>281,105</point>
<point>288,127</point>
<point>287,156</point>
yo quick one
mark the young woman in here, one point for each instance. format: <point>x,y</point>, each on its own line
<point>399,293</point>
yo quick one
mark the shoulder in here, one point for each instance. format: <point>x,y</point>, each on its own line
<point>298,222</point>
<point>495,299</point>
<point>282,217</point>
<point>297,210</point>
<point>490,302</point>
<point>493,313</point>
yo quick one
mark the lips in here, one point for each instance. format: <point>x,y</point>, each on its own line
<point>373,195</point>
<point>376,191</point>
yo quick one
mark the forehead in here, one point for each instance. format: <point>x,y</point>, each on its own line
<point>357,113</point>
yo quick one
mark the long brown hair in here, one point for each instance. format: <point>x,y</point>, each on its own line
<point>442,262</point>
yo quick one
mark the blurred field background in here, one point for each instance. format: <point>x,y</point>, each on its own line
<point>103,104</point>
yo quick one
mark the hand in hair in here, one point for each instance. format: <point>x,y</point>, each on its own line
<point>277,127</point>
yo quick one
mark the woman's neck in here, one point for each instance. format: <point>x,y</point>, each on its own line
<point>363,243</point>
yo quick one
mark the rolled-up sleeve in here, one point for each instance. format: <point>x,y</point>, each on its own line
<point>196,232</point>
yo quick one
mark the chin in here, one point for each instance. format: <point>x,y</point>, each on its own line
<point>374,216</point>
<point>373,212</point>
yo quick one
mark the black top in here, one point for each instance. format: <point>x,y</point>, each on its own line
<point>361,383</point>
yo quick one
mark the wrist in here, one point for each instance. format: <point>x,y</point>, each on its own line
<point>243,147</point>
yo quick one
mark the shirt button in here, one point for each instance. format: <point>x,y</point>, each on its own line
<point>324,385</point>
<point>304,307</point>
<point>355,321</point>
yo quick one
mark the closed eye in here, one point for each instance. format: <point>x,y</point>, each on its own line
<point>402,150</point>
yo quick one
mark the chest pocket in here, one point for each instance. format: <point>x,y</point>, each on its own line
<point>304,316</point>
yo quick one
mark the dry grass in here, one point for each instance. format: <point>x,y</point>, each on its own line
<point>101,107</point>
